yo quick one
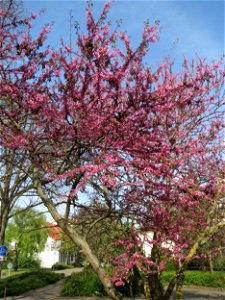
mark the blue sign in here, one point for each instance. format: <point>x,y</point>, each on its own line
<point>3,250</point>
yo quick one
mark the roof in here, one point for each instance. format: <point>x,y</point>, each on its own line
<point>55,231</point>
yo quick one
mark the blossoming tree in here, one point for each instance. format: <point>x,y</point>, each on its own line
<point>99,118</point>
<point>14,183</point>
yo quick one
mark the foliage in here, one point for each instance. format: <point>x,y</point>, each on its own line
<point>26,232</point>
<point>170,265</point>
<point>199,278</point>
<point>61,266</point>
<point>85,283</point>
<point>203,264</point>
<point>19,284</point>
<point>78,264</point>
<point>104,235</point>
<point>219,263</point>
<point>29,263</point>
<point>68,248</point>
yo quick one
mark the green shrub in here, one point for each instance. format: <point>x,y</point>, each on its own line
<point>199,278</point>
<point>170,265</point>
<point>85,283</point>
<point>167,276</point>
<point>199,264</point>
<point>219,263</point>
<point>21,283</point>
<point>203,264</point>
<point>78,264</point>
<point>29,263</point>
<point>61,266</point>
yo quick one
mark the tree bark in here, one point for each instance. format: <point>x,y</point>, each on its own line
<point>155,287</point>
<point>211,267</point>
<point>16,261</point>
<point>3,220</point>
<point>179,285</point>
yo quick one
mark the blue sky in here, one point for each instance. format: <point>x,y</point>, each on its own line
<point>188,27</point>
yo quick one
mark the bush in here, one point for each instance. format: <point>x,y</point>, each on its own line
<point>61,266</point>
<point>78,264</point>
<point>19,284</point>
<point>85,283</point>
<point>29,263</point>
<point>203,264</point>
<point>219,263</point>
<point>199,264</point>
<point>199,278</point>
<point>170,265</point>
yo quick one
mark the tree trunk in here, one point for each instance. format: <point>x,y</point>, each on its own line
<point>77,240</point>
<point>179,285</point>
<point>16,261</point>
<point>156,289</point>
<point>211,267</point>
<point>3,224</point>
<point>3,220</point>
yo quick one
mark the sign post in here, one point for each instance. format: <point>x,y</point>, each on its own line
<point>3,252</point>
<point>9,267</point>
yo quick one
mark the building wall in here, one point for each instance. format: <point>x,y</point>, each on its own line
<point>51,254</point>
<point>147,245</point>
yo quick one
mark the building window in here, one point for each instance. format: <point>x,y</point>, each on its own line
<point>54,246</point>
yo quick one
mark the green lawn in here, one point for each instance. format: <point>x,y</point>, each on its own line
<point>6,273</point>
<point>199,278</point>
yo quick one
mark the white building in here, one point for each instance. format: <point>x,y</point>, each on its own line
<point>147,243</point>
<point>52,252</point>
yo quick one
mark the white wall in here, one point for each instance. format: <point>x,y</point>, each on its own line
<point>50,255</point>
<point>147,245</point>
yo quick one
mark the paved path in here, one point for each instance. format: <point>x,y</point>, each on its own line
<point>201,293</point>
<point>51,292</point>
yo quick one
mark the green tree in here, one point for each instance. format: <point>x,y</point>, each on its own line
<point>27,234</point>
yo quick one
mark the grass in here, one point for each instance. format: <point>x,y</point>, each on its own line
<point>199,278</point>
<point>6,273</point>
